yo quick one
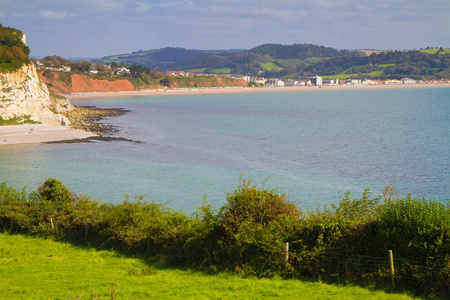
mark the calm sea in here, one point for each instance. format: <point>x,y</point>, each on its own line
<point>313,146</point>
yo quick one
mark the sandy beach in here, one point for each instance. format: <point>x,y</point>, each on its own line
<point>197,91</point>
<point>37,133</point>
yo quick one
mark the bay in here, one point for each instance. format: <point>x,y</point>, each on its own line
<point>313,146</point>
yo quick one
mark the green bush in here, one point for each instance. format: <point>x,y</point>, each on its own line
<point>54,191</point>
<point>256,224</point>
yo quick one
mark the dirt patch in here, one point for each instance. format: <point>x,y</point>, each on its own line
<point>86,84</point>
<point>80,83</point>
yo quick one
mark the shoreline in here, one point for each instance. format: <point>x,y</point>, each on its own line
<point>39,133</point>
<point>235,90</point>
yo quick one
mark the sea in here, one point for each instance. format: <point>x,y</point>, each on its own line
<point>313,146</point>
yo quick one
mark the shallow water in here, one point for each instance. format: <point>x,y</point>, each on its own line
<point>313,146</point>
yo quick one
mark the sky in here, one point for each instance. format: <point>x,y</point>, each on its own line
<point>97,28</point>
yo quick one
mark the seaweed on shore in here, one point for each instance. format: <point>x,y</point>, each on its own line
<point>88,118</point>
<point>94,138</point>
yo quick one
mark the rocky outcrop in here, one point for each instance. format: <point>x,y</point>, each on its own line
<point>23,93</point>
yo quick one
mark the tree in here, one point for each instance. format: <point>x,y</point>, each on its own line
<point>82,66</point>
<point>165,81</point>
<point>54,191</point>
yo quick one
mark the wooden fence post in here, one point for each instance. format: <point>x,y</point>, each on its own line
<point>51,221</point>
<point>391,263</point>
<point>286,249</point>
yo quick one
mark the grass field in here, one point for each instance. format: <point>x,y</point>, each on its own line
<point>343,75</point>
<point>271,66</point>
<point>433,51</point>
<point>314,60</point>
<point>199,70</point>
<point>293,61</point>
<point>222,71</point>
<point>37,268</point>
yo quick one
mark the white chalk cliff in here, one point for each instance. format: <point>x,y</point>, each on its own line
<point>23,93</point>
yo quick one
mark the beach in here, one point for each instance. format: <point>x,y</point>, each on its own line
<point>37,133</point>
<point>197,91</point>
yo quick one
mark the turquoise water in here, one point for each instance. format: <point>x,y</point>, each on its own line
<point>313,146</point>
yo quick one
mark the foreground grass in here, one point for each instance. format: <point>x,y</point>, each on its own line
<point>36,268</point>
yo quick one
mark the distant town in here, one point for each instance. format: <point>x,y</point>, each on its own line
<point>314,80</point>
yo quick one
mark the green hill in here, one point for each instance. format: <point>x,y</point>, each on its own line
<point>297,61</point>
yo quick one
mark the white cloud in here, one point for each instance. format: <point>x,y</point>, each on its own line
<point>54,15</point>
<point>102,5</point>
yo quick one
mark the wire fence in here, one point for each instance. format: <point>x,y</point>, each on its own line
<point>379,268</point>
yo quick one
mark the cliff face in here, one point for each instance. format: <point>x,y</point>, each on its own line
<point>83,83</point>
<point>22,92</point>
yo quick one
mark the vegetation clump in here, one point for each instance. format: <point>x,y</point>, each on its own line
<point>347,242</point>
<point>18,120</point>
<point>13,52</point>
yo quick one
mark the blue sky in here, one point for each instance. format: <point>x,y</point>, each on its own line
<point>96,28</point>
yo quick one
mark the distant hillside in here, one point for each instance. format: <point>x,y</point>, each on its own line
<point>301,51</point>
<point>160,59</point>
<point>296,61</point>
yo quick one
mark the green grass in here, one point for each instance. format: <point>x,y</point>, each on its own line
<point>386,65</point>
<point>199,70</point>
<point>343,75</point>
<point>433,51</point>
<point>18,120</point>
<point>271,66</point>
<point>293,61</point>
<point>222,70</point>
<point>314,60</point>
<point>37,268</point>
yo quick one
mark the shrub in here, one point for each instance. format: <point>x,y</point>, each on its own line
<point>54,191</point>
<point>256,224</point>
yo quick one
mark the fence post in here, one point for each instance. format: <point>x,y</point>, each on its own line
<point>51,221</point>
<point>391,263</point>
<point>286,249</point>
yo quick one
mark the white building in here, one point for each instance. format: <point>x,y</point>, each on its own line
<point>290,82</point>
<point>316,80</point>
<point>260,80</point>
<point>408,81</point>
<point>246,78</point>
<point>368,82</point>
<point>352,81</point>
<point>330,81</point>
<point>392,82</point>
